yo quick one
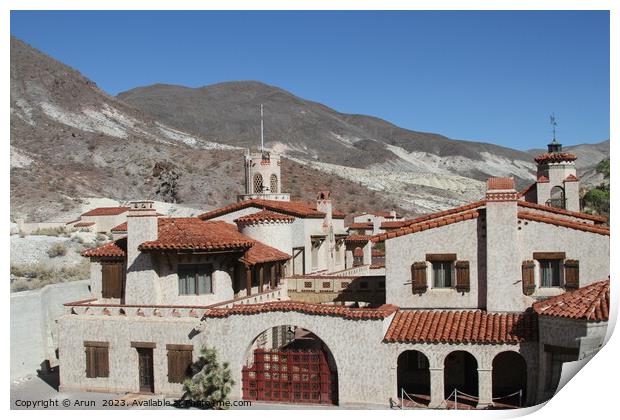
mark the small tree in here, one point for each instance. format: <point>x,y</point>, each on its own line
<point>210,383</point>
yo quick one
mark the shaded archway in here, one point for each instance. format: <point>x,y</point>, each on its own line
<point>289,364</point>
<point>509,379</point>
<point>557,198</point>
<point>461,374</point>
<point>414,376</point>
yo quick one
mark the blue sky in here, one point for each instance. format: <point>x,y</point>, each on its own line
<point>485,76</point>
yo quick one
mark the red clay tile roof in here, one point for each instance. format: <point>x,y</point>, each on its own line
<point>563,222</point>
<point>473,326</point>
<point>117,248</point>
<point>500,184</point>
<point>526,190</point>
<point>570,178</point>
<point>303,307</point>
<point>578,214</point>
<point>430,216</point>
<point>264,216</point>
<point>555,157</point>
<point>418,227</point>
<point>590,303</point>
<point>106,211</point>
<point>395,224</point>
<point>357,239</point>
<point>293,208</point>
<point>542,179</point>
<point>377,252</point>
<point>358,252</point>
<point>120,228</point>
<point>83,224</point>
<point>193,234</point>
<point>260,253</point>
<point>361,225</point>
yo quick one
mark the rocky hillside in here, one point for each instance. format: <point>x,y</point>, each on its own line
<point>70,140</point>
<point>306,130</point>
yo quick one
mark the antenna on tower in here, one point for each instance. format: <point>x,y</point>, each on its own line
<point>553,123</point>
<point>262,141</point>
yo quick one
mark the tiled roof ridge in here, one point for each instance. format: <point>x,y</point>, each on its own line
<point>439,214</point>
<point>461,326</point>
<point>590,302</point>
<point>264,216</point>
<point>358,238</point>
<point>110,249</point>
<point>294,208</point>
<point>564,212</point>
<point>431,224</point>
<point>303,307</point>
<point>120,228</point>
<point>360,225</point>
<point>260,253</point>
<point>562,222</point>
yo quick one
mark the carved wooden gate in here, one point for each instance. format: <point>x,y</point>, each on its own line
<point>292,376</point>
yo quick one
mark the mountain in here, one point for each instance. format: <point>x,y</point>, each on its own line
<point>229,113</point>
<point>71,140</point>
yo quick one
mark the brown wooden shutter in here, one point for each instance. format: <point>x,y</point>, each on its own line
<point>527,273</point>
<point>571,274</point>
<point>112,274</point>
<point>179,362</point>
<point>418,277</point>
<point>462,276</point>
<point>90,361</point>
<point>101,357</point>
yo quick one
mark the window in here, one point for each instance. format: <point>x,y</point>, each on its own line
<point>273,184</point>
<point>112,274</point>
<point>442,274</point>
<point>195,279</point>
<point>258,184</point>
<point>96,359</point>
<point>549,273</point>
<point>179,362</point>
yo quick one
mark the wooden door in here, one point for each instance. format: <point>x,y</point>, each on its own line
<point>145,369</point>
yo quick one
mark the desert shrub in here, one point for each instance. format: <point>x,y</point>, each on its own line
<point>210,383</point>
<point>51,231</point>
<point>35,276</point>
<point>57,250</point>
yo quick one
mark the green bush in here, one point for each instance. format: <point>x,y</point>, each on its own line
<point>210,383</point>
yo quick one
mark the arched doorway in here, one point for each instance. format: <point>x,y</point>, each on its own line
<point>509,379</point>
<point>557,198</point>
<point>414,376</point>
<point>289,364</point>
<point>461,374</point>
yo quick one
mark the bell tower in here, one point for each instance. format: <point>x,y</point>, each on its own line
<point>262,173</point>
<point>557,184</point>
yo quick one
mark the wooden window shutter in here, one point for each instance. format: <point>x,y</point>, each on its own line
<point>462,276</point>
<point>179,362</point>
<point>527,273</point>
<point>97,359</point>
<point>102,366</point>
<point>418,277</point>
<point>112,274</point>
<point>571,274</point>
<point>90,362</point>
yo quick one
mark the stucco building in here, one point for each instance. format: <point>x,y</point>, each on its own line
<point>476,306</point>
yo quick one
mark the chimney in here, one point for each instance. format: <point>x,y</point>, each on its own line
<point>324,204</point>
<point>503,269</point>
<point>141,284</point>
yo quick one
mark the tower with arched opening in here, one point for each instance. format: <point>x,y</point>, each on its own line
<point>263,176</point>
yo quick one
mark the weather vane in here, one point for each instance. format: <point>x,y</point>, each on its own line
<point>553,123</point>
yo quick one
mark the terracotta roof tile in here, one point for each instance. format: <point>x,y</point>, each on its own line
<point>431,216</point>
<point>83,224</point>
<point>500,184</point>
<point>571,178</point>
<point>260,253</point>
<point>473,326</point>
<point>542,179</point>
<point>117,248</point>
<point>395,224</point>
<point>306,308</point>
<point>293,208</point>
<point>418,227</point>
<point>357,239</point>
<point>120,228</point>
<point>590,303</point>
<point>193,234</point>
<point>106,211</point>
<point>358,252</point>
<point>563,222</point>
<point>264,216</point>
<point>555,157</point>
<point>577,214</point>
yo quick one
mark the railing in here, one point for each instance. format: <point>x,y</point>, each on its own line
<point>94,308</point>
<point>404,395</point>
<point>454,398</point>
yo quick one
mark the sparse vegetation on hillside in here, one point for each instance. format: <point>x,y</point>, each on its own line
<point>35,276</point>
<point>52,231</point>
<point>57,250</point>
<point>596,200</point>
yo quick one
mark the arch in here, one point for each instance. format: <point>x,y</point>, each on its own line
<point>358,256</point>
<point>509,377</point>
<point>414,376</point>
<point>289,364</point>
<point>273,183</point>
<point>258,184</point>
<point>557,198</point>
<point>461,373</point>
